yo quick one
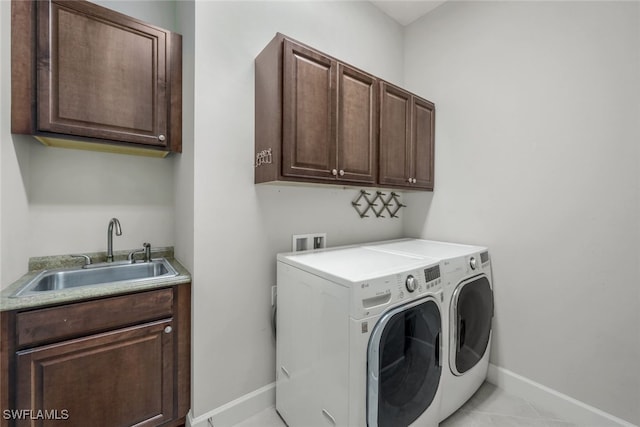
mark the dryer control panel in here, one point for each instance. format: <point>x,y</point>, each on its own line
<point>456,269</point>
<point>474,264</point>
<point>377,295</point>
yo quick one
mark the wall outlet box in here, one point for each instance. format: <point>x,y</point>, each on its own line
<point>305,242</point>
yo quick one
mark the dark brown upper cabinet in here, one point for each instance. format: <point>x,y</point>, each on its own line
<point>315,117</point>
<point>357,125</point>
<point>84,76</point>
<point>407,125</point>
<point>319,120</point>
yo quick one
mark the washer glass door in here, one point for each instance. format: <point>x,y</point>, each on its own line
<point>404,364</point>
<point>472,311</point>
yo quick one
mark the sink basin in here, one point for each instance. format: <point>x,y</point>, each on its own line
<point>97,274</point>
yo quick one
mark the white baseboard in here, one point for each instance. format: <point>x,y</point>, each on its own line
<point>237,410</point>
<point>570,409</point>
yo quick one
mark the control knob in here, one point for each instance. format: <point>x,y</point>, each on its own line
<point>473,263</point>
<point>411,283</point>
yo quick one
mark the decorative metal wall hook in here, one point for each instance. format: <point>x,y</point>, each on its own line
<point>394,205</point>
<point>362,204</point>
<point>380,203</point>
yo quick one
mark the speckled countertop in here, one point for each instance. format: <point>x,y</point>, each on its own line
<point>36,265</point>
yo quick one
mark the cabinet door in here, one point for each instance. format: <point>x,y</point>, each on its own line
<point>422,137</point>
<point>100,74</point>
<point>120,378</point>
<point>357,125</point>
<point>395,136</point>
<point>308,134</point>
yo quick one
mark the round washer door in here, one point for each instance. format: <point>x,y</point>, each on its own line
<point>403,364</point>
<point>471,314</point>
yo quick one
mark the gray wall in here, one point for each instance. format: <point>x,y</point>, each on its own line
<point>14,170</point>
<point>59,201</point>
<point>183,164</point>
<point>537,157</point>
<point>239,227</point>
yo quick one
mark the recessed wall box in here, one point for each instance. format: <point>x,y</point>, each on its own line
<point>305,242</point>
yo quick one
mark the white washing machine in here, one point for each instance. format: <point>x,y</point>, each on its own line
<point>468,312</point>
<point>359,339</point>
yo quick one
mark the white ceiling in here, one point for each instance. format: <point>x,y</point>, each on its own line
<point>406,11</point>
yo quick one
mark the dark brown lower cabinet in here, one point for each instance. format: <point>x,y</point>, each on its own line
<point>136,374</point>
<point>115,379</point>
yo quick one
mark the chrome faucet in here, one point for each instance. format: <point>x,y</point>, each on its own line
<point>114,221</point>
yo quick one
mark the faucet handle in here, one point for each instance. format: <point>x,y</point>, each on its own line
<point>132,255</point>
<point>146,248</point>
<point>87,259</point>
<point>147,251</point>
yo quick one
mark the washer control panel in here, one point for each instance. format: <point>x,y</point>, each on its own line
<point>432,274</point>
<point>411,283</point>
<point>376,295</point>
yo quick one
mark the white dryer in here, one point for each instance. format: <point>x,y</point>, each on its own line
<point>359,339</point>
<point>468,313</point>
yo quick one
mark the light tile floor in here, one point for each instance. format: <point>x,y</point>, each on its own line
<point>489,407</point>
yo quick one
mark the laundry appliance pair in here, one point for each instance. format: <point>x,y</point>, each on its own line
<point>392,333</point>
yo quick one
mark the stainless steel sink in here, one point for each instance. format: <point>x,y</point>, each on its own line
<point>96,274</point>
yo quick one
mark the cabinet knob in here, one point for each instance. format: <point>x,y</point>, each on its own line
<point>409,181</point>
<point>334,172</point>
<point>161,138</point>
<point>341,172</point>
<point>415,180</point>
<point>168,330</point>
